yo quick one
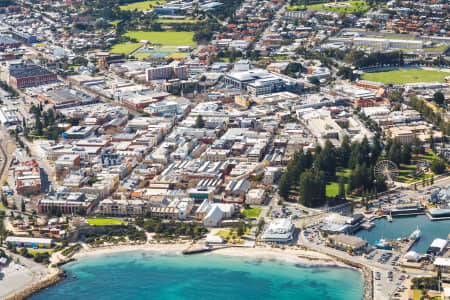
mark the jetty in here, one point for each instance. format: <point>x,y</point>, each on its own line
<point>201,248</point>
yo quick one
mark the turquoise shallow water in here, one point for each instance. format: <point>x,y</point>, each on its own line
<point>404,226</point>
<point>146,275</point>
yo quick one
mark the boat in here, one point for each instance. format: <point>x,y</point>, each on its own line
<point>383,244</point>
<point>415,235</point>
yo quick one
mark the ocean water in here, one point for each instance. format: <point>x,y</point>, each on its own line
<point>404,226</point>
<point>147,275</point>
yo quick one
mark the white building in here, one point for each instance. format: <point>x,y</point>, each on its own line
<point>213,213</point>
<point>279,231</point>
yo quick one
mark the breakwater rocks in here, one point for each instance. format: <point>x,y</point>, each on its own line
<point>46,282</point>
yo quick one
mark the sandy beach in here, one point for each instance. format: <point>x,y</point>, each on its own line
<point>291,255</point>
<point>162,248</point>
<point>17,276</point>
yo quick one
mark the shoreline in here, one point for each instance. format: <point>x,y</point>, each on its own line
<point>308,258</point>
<point>301,257</point>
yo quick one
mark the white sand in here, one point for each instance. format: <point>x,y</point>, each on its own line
<point>163,248</point>
<point>291,255</point>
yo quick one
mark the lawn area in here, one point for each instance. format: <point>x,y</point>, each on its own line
<point>125,48</point>
<point>141,6</point>
<point>142,55</point>
<point>440,48</point>
<point>252,212</point>
<point>34,251</point>
<point>175,21</point>
<point>105,221</point>
<point>340,7</point>
<point>332,188</point>
<point>231,235</point>
<point>405,37</point>
<point>168,38</point>
<point>2,206</point>
<point>405,76</point>
<point>115,22</point>
<point>178,55</point>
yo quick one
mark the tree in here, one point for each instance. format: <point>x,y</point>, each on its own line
<point>22,205</point>
<point>439,98</point>
<point>417,146</point>
<point>311,188</point>
<point>199,122</point>
<point>406,154</point>
<point>4,200</point>
<point>381,185</point>
<point>438,166</point>
<point>344,151</point>
<point>326,160</point>
<point>39,127</point>
<point>284,186</point>
<point>431,140</point>
<point>342,187</point>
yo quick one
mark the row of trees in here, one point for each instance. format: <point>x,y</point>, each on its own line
<point>361,59</point>
<point>428,112</point>
<point>172,228</point>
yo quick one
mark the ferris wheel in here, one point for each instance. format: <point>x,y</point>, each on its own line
<point>386,168</point>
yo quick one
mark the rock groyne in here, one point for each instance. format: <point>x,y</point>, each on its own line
<point>46,282</point>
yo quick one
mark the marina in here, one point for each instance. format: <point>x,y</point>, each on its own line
<point>402,227</point>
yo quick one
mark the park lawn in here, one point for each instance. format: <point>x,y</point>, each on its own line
<point>178,55</point>
<point>142,55</point>
<point>177,21</point>
<point>440,48</point>
<point>2,206</point>
<point>141,6</point>
<point>228,233</point>
<point>429,156</point>
<point>168,38</point>
<point>115,22</point>
<point>125,48</point>
<point>252,212</point>
<point>34,251</point>
<point>405,76</point>
<point>406,37</point>
<point>105,221</point>
<point>354,7</point>
<point>332,188</point>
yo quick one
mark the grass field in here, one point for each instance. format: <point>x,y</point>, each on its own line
<point>105,221</point>
<point>142,55</point>
<point>168,38</point>
<point>178,55</point>
<point>115,22</point>
<point>125,48</point>
<point>332,188</point>
<point>351,7</point>
<point>405,76</point>
<point>141,6</point>
<point>252,212</point>
<point>34,251</point>
<point>439,48</point>
<point>175,21</point>
<point>2,206</point>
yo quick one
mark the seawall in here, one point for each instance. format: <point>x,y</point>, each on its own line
<point>366,271</point>
<point>46,282</point>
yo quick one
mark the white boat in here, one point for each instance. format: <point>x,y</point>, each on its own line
<point>415,235</point>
